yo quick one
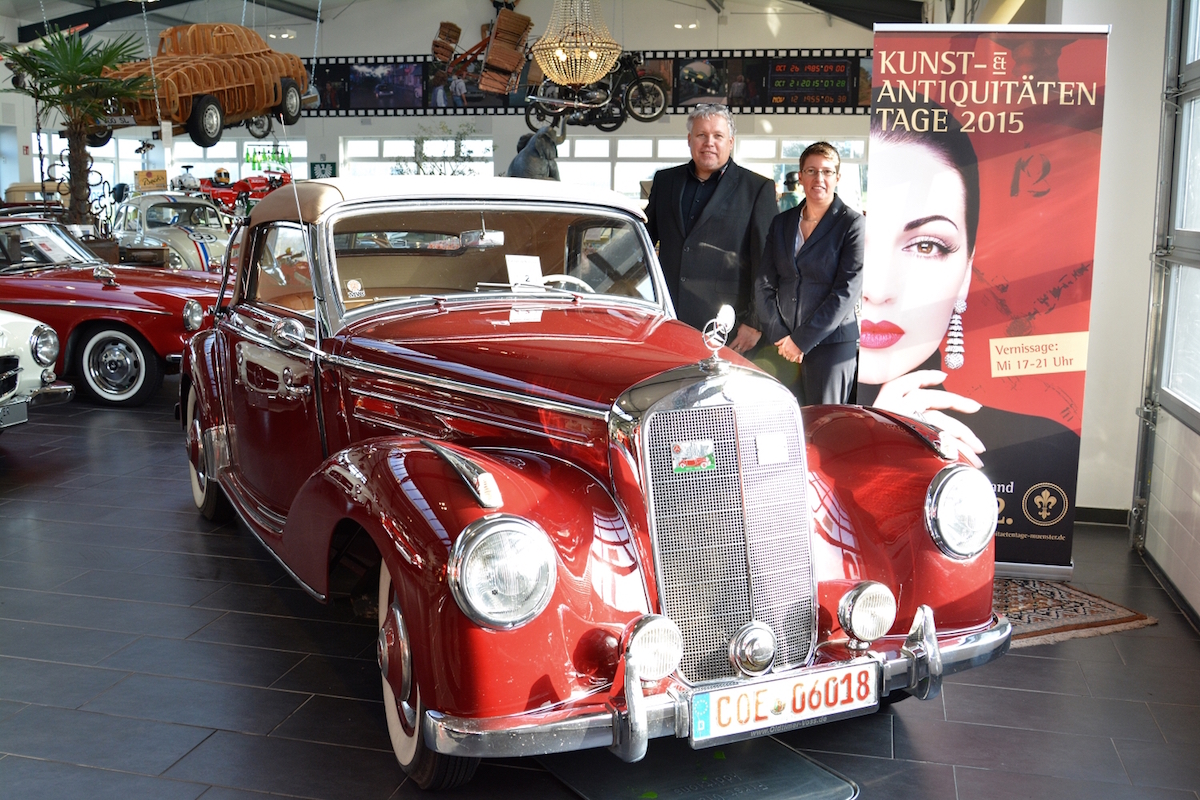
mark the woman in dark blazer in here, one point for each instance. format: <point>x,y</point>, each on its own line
<point>810,282</point>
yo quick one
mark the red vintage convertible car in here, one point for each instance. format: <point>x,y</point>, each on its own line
<point>585,523</point>
<point>121,328</point>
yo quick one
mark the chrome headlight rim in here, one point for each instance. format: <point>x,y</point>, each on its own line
<point>193,315</point>
<point>933,497</point>
<point>175,260</point>
<point>468,543</point>
<point>43,345</point>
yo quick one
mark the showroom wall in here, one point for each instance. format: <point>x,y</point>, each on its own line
<point>1124,232</point>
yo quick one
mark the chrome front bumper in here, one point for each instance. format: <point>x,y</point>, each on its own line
<point>917,667</point>
<point>16,410</point>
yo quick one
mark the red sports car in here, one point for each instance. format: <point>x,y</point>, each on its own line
<point>121,328</point>
<point>583,523</point>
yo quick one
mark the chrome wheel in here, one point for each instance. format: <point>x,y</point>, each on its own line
<point>117,367</point>
<point>208,496</point>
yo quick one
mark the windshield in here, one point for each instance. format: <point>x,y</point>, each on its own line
<point>384,255</point>
<point>34,244</point>
<point>161,215</point>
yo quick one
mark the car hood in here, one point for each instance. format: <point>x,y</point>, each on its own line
<point>135,285</point>
<point>584,354</point>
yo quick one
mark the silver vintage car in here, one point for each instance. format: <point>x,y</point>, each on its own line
<point>188,225</point>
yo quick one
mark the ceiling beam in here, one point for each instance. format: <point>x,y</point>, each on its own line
<point>95,17</point>
<point>717,5</point>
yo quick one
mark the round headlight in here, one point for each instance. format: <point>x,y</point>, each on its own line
<point>43,345</point>
<point>193,315</point>
<point>175,261</point>
<point>655,647</point>
<point>867,611</point>
<point>502,571</point>
<point>961,510</point>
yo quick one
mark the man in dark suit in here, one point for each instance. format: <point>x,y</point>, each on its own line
<point>709,218</point>
<point>810,282</point>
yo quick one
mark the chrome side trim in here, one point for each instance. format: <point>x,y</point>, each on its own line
<point>450,385</point>
<point>444,384</point>
<point>459,414</point>
<point>561,730</point>
<point>99,306</point>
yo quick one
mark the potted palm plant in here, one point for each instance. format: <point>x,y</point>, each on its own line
<point>67,74</point>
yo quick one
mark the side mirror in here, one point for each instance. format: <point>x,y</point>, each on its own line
<point>288,333</point>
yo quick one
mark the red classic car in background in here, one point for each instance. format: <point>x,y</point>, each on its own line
<point>470,401</point>
<point>120,327</point>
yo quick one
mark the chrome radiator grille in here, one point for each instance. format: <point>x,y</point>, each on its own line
<point>8,374</point>
<point>732,540</point>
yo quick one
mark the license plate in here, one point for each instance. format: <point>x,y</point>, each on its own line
<point>762,708</point>
<point>13,414</point>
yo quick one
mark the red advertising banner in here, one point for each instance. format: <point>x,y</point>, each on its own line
<point>981,217</point>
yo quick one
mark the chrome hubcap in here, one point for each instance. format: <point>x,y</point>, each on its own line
<point>212,120</point>
<point>114,366</point>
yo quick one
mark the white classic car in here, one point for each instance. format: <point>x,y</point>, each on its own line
<point>28,350</point>
<point>188,225</point>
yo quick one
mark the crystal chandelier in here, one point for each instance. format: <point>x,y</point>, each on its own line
<point>576,48</point>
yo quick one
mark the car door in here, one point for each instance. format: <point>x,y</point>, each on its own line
<point>277,438</point>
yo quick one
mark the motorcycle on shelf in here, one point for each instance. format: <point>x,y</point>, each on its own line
<point>623,93</point>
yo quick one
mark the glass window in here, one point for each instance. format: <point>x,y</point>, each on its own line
<point>438,148</point>
<point>1193,31</point>
<point>594,173</point>
<point>1182,369</point>
<point>629,175</point>
<point>754,148</point>
<point>401,252</point>
<point>281,272</point>
<point>399,148</point>
<point>635,148</point>
<point>591,148</point>
<point>362,148</point>
<point>564,149</point>
<point>477,148</point>
<point>1188,201</point>
<point>674,149</point>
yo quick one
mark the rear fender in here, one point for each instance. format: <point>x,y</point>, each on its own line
<point>414,505</point>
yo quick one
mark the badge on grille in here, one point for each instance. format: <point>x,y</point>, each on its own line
<point>695,456</point>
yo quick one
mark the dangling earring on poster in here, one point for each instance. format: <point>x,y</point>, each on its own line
<point>954,338</point>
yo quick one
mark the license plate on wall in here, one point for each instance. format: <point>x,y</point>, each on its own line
<point>764,707</point>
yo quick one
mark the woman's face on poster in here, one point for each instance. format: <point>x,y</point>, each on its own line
<point>917,263</point>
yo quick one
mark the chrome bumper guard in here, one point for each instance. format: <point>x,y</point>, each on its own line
<point>57,392</point>
<point>917,667</point>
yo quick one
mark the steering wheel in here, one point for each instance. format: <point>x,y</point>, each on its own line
<point>562,278</point>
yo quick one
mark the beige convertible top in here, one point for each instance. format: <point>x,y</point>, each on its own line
<point>309,200</point>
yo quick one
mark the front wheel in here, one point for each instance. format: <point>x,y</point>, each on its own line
<point>117,367</point>
<point>428,769</point>
<point>646,99</point>
<point>611,117</point>
<point>206,121</point>
<point>289,106</point>
<point>209,498</point>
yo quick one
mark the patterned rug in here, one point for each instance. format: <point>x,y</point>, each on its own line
<point>1042,612</point>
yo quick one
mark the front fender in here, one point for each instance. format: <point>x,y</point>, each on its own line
<point>414,505</point>
<point>868,478</point>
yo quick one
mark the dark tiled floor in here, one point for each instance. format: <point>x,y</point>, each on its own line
<point>145,653</point>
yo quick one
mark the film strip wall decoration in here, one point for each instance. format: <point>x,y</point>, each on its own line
<point>801,81</point>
